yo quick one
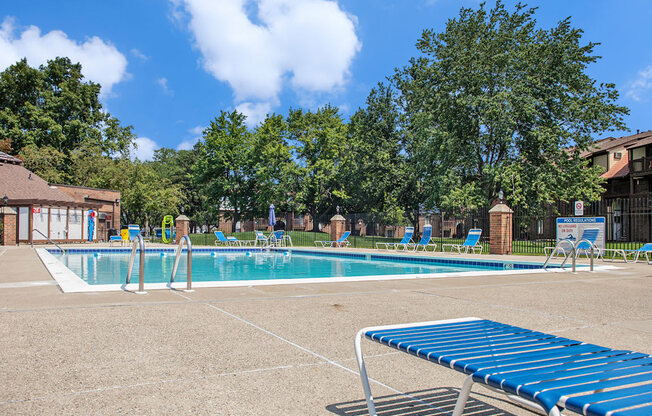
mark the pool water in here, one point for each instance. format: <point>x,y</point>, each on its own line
<point>111,268</point>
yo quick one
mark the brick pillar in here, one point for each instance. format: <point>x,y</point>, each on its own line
<point>182,225</point>
<point>9,217</point>
<point>338,226</point>
<point>500,229</point>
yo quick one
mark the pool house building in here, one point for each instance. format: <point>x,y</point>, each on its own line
<point>33,211</point>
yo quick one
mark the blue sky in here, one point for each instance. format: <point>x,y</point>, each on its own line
<point>169,67</point>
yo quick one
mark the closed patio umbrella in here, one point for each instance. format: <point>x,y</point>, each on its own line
<point>272,215</point>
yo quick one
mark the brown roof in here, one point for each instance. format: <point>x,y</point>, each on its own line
<point>640,143</point>
<point>609,143</point>
<point>620,169</point>
<point>18,183</point>
<point>5,158</point>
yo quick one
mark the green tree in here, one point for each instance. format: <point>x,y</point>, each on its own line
<point>222,168</point>
<point>495,102</point>
<point>320,139</point>
<point>271,166</point>
<point>374,172</point>
<point>54,110</point>
<point>145,196</point>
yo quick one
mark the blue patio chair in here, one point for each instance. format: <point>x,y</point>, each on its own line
<point>424,243</point>
<point>407,239</point>
<point>340,242</point>
<point>261,238</point>
<point>635,254</point>
<point>472,243</point>
<point>587,241</point>
<point>221,239</point>
<point>277,238</point>
<point>545,372</point>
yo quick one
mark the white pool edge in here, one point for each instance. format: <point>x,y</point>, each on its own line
<point>69,282</point>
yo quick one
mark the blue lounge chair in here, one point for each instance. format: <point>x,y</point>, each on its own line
<point>340,242</point>
<point>424,243</point>
<point>134,230</point>
<point>472,243</point>
<point>635,254</point>
<point>544,372</point>
<point>221,239</point>
<point>583,245</point>
<point>407,239</point>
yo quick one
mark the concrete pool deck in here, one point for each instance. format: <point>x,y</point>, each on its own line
<point>280,349</point>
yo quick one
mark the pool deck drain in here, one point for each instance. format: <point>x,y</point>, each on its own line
<point>279,349</point>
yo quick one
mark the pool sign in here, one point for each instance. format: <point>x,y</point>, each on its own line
<point>579,208</point>
<point>572,228</point>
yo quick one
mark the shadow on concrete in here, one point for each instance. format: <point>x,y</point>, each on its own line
<point>431,402</point>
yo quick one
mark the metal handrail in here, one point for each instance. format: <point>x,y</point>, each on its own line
<point>572,253</point>
<point>138,243</point>
<point>557,246</point>
<point>177,257</point>
<point>47,238</point>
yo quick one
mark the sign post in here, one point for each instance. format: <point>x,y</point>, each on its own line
<point>579,208</point>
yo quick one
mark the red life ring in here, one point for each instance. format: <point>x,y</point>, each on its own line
<point>91,214</point>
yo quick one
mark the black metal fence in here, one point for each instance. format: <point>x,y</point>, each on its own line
<point>628,224</point>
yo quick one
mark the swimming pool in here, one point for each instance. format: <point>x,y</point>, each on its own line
<point>106,269</point>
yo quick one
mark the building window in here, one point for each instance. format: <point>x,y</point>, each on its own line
<point>601,160</point>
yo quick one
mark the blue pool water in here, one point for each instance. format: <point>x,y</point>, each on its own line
<point>111,267</point>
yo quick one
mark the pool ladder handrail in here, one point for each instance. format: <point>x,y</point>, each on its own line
<point>177,257</point>
<point>572,253</point>
<point>49,239</point>
<point>139,243</point>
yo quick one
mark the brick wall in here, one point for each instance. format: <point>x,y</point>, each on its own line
<point>500,230</point>
<point>9,228</point>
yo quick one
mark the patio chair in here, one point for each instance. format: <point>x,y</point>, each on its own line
<point>261,238</point>
<point>221,239</point>
<point>645,248</point>
<point>277,239</point>
<point>544,373</point>
<point>134,230</point>
<point>472,243</point>
<point>588,234</point>
<point>424,243</point>
<point>407,239</point>
<point>340,242</point>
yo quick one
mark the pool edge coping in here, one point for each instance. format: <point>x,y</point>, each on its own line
<point>69,282</point>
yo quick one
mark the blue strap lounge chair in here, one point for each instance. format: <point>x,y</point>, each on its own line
<point>221,239</point>
<point>425,241</point>
<point>544,372</point>
<point>407,239</point>
<point>582,246</point>
<point>589,235</point>
<point>340,242</point>
<point>472,243</point>
<point>626,254</point>
<point>262,239</point>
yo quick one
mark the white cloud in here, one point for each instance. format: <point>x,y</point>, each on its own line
<point>138,54</point>
<point>188,144</point>
<point>163,83</point>
<point>255,112</point>
<point>144,149</point>
<point>306,44</point>
<point>101,61</point>
<point>199,130</point>
<point>642,85</point>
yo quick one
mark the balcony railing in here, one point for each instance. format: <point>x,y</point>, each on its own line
<point>642,165</point>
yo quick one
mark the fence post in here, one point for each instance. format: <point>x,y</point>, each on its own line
<point>500,229</point>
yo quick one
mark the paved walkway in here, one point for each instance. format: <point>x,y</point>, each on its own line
<point>278,350</point>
